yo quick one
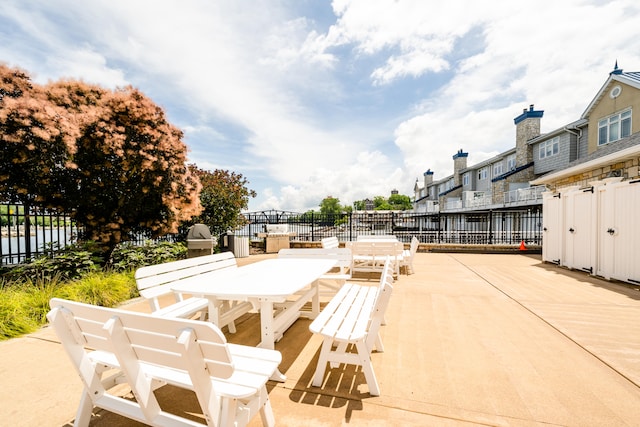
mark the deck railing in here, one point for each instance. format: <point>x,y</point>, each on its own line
<point>26,235</point>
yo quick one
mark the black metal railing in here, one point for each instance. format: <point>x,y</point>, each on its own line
<point>28,233</point>
<point>487,227</point>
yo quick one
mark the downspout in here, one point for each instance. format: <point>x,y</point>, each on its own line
<point>578,136</point>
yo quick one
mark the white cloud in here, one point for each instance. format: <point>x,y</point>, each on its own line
<point>305,112</point>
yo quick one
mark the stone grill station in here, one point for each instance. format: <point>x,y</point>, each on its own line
<point>277,237</point>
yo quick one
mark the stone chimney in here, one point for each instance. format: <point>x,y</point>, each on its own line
<point>527,128</point>
<point>428,178</point>
<point>459,163</point>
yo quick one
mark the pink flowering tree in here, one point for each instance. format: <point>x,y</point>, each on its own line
<point>109,158</point>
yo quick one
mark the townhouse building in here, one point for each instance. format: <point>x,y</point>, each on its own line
<point>508,189</point>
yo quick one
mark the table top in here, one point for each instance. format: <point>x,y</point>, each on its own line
<point>272,279</point>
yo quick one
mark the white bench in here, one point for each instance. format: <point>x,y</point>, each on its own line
<point>364,237</point>
<point>148,352</point>
<point>353,316</point>
<point>370,256</point>
<point>330,242</point>
<point>157,281</point>
<point>338,275</point>
<point>408,255</point>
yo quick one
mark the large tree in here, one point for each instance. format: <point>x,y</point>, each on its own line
<point>37,139</point>
<point>129,169</point>
<point>109,158</point>
<point>223,196</point>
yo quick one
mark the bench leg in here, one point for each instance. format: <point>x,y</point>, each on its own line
<point>322,362</point>
<point>367,368</point>
<point>266,412</point>
<point>340,349</point>
<point>83,415</point>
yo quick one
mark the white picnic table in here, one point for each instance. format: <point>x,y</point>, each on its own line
<point>275,286</point>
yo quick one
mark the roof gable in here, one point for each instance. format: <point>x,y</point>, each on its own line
<point>631,78</point>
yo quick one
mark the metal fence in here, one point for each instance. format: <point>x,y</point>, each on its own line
<point>27,234</point>
<point>30,232</point>
<point>478,227</point>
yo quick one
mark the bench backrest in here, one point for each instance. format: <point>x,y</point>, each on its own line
<point>413,247</point>
<point>330,242</point>
<point>381,248</point>
<point>342,256</point>
<point>376,237</point>
<point>140,341</point>
<point>382,301</point>
<point>157,280</point>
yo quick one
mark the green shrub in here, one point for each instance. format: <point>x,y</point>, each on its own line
<point>69,263</point>
<point>129,257</point>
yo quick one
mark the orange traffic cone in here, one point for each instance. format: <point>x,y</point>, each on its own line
<point>522,246</point>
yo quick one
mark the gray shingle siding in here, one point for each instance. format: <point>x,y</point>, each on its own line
<point>567,152</point>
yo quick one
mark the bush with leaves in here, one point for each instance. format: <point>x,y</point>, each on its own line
<point>69,263</point>
<point>128,257</point>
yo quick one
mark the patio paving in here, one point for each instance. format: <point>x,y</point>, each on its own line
<point>471,339</point>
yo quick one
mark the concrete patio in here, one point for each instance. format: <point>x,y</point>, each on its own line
<point>471,339</point>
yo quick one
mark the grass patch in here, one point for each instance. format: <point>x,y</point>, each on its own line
<point>24,305</point>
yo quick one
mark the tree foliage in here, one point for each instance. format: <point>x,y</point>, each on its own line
<point>330,205</point>
<point>223,196</point>
<point>108,157</point>
<point>36,141</point>
<point>395,202</point>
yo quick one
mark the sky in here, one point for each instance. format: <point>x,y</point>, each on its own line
<point>349,99</point>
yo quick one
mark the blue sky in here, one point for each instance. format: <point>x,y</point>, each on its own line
<point>311,98</point>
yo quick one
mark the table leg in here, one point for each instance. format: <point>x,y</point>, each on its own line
<point>268,334</point>
<point>214,311</point>
<point>266,325</point>
<point>315,300</point>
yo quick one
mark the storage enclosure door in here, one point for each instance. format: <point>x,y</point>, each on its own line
<point>551,227</point>
<point>580,229</point>
<point>619,247</point>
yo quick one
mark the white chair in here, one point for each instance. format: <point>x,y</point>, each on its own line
<point>409,254</point>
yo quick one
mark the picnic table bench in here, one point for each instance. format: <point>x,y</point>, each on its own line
<point>330,242</point>
<point>370,255</point>
<point>353,317</point>
<point>157,281</point>
<point>149,352</point>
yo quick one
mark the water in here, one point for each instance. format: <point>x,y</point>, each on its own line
<point>13,247</point>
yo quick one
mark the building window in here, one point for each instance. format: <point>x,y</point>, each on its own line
<point>549,148</point>
<point>511,162</point>
<point>482,174</point>
<point>614,127</point>
<point>465,179</point>
<point>497,169</point>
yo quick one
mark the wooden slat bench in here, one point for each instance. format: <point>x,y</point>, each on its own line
<point>157,281</point>
<point>353,317</point>
<point>370,256</point>
<point>330,242</point>
<point>148,352</point>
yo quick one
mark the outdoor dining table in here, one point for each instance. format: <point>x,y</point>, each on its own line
<point>267,285</point>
